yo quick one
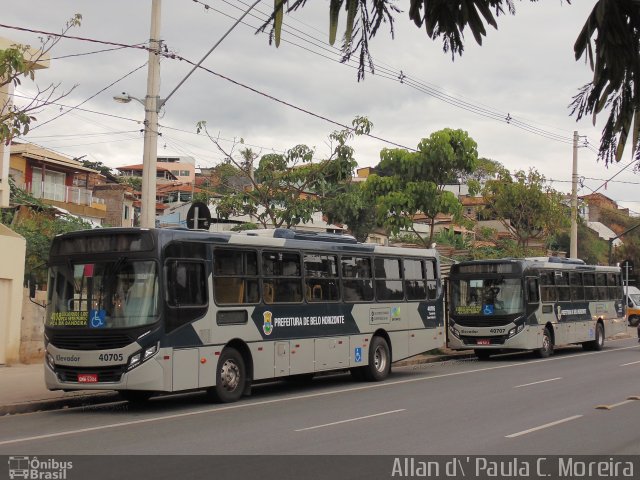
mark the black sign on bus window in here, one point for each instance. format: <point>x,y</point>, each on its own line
<point>204,216</point>
<point>627,267</point>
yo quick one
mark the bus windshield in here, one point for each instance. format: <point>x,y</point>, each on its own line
<point>113,294</point>
<point>487,296</point>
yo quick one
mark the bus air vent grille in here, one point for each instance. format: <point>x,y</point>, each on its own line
<point>75,341</point>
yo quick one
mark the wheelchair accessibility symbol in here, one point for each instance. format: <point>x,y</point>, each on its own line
<point>487,310</point>
<point>97,318</point>
<point>357,355</point>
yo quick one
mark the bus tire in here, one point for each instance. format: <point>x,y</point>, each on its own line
<point>598,343</point>
<point>231,377</point>
<point>547,345</point>
<point>379,360</point>
<point>136,396</point>
<point>634,320</point>
<point>482,354</point>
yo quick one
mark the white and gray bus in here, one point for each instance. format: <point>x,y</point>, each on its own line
<point>533,304</point>
<point>168,310</point>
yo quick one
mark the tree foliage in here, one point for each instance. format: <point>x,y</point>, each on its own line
<point>133,182</point>
<point>609,40</point>
<point>525,205</point>
<point>287,189</point>
<point>18,62</point>
<point>411,183</point>
<point>353,207</point>
<point>614,58</point>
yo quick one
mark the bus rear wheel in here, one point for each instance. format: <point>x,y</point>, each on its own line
<point>547,345</point>
<point>598,343</point>
<point>230,377</point>
<point>379,360</point>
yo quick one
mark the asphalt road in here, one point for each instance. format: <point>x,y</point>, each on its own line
<point>512,404</point>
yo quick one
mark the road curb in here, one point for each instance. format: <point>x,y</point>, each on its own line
<point>82,400</point>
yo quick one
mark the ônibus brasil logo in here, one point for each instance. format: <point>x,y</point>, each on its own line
<point>34,468</point>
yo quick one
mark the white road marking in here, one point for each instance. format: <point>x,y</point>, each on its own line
<point>546,425</point>
<point>299,397</point>
<point>351,420</point>
<point>632,363</point>
<point>536,383</point>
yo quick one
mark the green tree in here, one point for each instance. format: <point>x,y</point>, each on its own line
<point>133,182</point>
<point>609,39</point>
<point>412,183</point>
<point>287,189</point>
<point>98,166</point>
<point>353,207</point>
<point>20,61</point>
<point>525,205</point>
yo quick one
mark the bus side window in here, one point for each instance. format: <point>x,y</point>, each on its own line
<point>532,290</point>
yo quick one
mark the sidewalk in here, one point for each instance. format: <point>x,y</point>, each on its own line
<point>22,387</point>
<point>22,390</point>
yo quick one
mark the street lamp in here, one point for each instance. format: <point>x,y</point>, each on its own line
<point>152,106</point>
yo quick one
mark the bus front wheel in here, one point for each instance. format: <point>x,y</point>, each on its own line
<point>379,360</point>
<point>230,377</point>
<point>547,345</point>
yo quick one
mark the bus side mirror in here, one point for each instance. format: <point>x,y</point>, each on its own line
<point>32,286</point>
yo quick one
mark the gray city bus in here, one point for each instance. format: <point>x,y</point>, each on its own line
<point>168,310</point>
<point>533,304</point>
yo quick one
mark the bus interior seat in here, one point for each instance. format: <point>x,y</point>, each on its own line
<point>268,292</point>
<point>229,290</point>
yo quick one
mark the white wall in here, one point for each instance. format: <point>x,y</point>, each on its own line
<point>12,254</point>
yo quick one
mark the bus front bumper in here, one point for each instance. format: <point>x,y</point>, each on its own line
<point>149,375</point>
<point>484,339</point>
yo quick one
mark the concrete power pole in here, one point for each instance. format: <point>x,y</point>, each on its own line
<point>573,251</point>
<point>151,106</point>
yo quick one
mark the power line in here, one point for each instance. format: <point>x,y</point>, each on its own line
<point>401,77</point>
<point>92,96</point>
<point>90,53</point>
<point>58,104</point>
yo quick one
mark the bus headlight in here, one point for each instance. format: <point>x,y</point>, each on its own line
<point>150,352</point>
<point>142,356</point>
<point>50,361</point>
<point>515,330</point>
<point>455,332</point>
<point>134,361</point>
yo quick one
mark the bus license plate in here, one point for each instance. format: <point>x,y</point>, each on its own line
<point>484,341</point>
<point>87,378</point>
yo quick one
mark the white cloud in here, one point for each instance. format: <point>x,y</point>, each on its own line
<point>525,69</point>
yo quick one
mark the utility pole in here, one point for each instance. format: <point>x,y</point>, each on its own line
<point>573,251</point>
<point>151,106</point>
